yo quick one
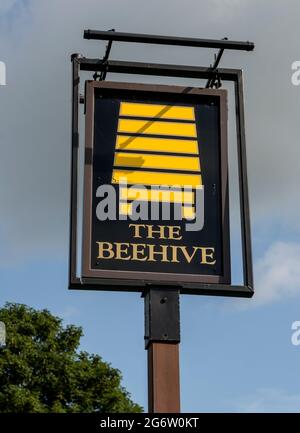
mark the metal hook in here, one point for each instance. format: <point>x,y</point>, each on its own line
<point>215,80</point>
<point>103,73</point>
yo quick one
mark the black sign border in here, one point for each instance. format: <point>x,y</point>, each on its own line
<point>137,280</point>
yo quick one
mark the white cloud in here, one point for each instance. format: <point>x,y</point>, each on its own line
<point>276,275</point>
<point>269,400</point>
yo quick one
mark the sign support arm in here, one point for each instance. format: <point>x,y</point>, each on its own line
<point>162,338</point>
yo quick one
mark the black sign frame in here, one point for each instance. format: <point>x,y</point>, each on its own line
<point>137,280</point>
<point>84,64</point>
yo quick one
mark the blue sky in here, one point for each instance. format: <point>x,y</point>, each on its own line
<point>236,355</point>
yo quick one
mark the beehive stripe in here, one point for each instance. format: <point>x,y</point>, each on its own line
<point>125,208</point>
<point>127,142</point>
<point>133,193</point>
<point>157,111</point>
<point>156,178</point>
<point>167,162</point>
<point>155,127</point>
<point>188,212</point>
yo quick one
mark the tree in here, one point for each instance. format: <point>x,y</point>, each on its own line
<point>41,369</point>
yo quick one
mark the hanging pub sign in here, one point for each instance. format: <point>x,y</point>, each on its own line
<point>155,186</point>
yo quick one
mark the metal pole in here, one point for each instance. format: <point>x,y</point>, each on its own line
<point>243,180</point>
<point>73,280</point>
<point>163,378</point>
<point>162,338</point>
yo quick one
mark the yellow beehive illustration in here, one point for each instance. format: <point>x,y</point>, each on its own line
<point>157,145</point>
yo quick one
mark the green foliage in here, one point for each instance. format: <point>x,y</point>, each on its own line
<point>41,369</point>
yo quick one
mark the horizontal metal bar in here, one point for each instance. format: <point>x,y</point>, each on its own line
<point>235,291</point>
<point>122,67</point>
<point>168,40</point>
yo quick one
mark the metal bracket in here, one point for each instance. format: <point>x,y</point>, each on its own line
<point>222,44</point>
<point>103,73</point>
<point>215,80</point>
<point>162,317</point>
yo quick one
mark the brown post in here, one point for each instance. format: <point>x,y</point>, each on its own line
<point>162,337</point>
<point>163,378</point>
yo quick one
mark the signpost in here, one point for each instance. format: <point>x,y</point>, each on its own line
<point>156,207</point>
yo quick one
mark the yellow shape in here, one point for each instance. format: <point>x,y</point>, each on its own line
<point>188,212</point>
<point>157,144</point>
<point>134,193</point>
<point>155,178</point>
<point>168,162</point>
<point>156,110</point>
<point>125,208</point>
<point>156,127</point>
